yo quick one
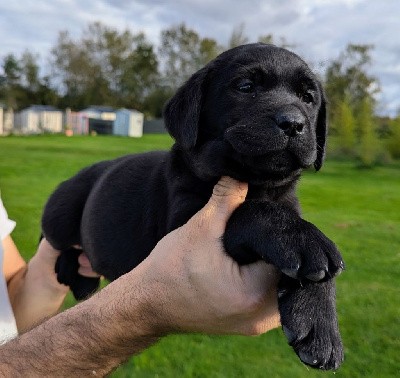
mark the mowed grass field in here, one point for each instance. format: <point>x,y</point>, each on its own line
<point>358,209</point>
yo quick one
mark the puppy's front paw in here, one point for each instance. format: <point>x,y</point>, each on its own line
<point>308,318</point>
<point>304,252</point>
<point>280,237</point>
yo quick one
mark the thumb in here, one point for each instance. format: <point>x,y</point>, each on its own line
<point>227,195</point>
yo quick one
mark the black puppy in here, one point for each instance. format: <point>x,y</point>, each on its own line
<point>255,113</point>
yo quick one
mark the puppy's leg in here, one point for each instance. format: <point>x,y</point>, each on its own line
<point>260,229</point>
<point>308,261</point>
<point>308,317</point>
<point>61,223</point>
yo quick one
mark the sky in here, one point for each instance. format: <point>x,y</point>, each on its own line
<point>319,29</point>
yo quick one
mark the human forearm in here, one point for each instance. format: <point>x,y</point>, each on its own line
<point>91,338</point>
<point>31,302</point>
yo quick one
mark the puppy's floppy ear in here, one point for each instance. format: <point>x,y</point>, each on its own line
<point>321,132</point>
<point>182,112</point>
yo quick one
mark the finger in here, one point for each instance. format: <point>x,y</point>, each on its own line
<point>44,244</point>
<point>87,272</point>
<point>83,260</point>
<point>227,195</point>
<point>85,268</point>
<point>45,249</point>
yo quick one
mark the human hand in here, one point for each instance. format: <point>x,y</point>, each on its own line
<point>194,286</point>
<point>44,261</point>
<point>41,268</point>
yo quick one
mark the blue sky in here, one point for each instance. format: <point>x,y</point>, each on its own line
<point>320,29</point>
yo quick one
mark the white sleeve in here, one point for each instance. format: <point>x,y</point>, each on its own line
<point>6,225</point>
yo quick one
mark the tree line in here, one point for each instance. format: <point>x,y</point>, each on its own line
<point>105,66</point>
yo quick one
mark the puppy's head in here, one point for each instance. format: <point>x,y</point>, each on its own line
<point>255,113</point>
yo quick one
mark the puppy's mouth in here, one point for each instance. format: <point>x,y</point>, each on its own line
<point>252,140</point>
<point>266,149</point>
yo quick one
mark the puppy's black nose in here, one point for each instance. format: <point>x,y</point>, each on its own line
<point>292,124</point>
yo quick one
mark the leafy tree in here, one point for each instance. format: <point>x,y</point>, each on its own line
<point>183,52</point>
<point>393,143</point>
<point>104,67</point>
<point>22,85</point>
<point>139,75</point>
<point>267,38</point>
<point>347,76</point>
<point>10,83</point>
<point>46,94</point>
<point>208,50</point>
<point>73,71</point>
<point>270,39</point>
<point>368,139</point>
<point>345,127</point>
<point>155,101</point>
<point>30,71</point>
<point>238,37</point>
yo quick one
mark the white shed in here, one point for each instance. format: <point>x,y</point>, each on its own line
<point>40,118</point>
<point>128,122</point>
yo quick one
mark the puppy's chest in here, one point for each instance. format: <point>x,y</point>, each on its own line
<point>281,195</point>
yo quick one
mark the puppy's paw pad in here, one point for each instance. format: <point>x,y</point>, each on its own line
<point>309,321</point>
<point>338,268</point>
<point>291,272</point>
<point>321,348</point>
<point>316,276</point>
<point>336,359</point>
<point>308,359</point>
<point>319,256</point>
<point>329,357</point>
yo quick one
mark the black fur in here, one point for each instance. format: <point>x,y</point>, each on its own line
<point>256,113</point>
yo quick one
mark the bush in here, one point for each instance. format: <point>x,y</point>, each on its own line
<point>345,127</point>
<point>369,146</point>
<point>393,144</point>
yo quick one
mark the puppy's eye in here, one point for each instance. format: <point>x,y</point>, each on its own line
<point>246,86</point>
<point>307,97</point>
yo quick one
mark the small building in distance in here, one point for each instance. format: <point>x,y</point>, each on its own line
<point>6,120</point>
<point>38,119</point>
<point>106,113</point>
<point>128,122</point>
<point>77,122</point>
<point>100,119</point>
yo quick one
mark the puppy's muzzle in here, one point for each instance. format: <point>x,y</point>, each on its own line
<point>272,135</point>
<point>256,139</point>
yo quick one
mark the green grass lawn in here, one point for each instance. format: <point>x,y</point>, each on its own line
<point>358,209</point>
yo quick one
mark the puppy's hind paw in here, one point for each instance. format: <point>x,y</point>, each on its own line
<point>308,317</point>
<point>322,352</point>
<point>66,269</point>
